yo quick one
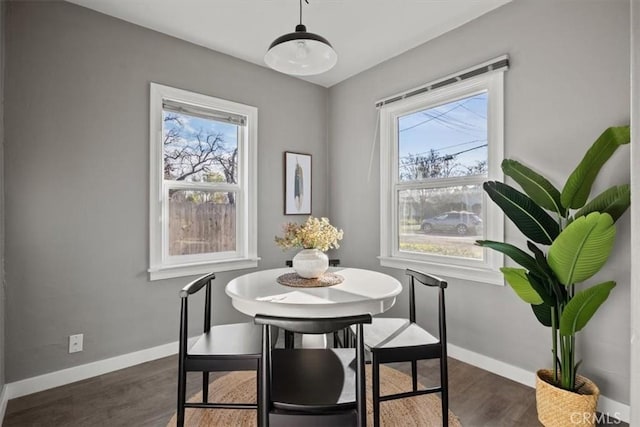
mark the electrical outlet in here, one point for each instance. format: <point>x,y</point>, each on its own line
<point>75,343</point>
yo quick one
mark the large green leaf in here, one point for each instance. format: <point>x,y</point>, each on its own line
<point>578,186</point>
<point>540,259</point>
<point>556,292</point>
<point>543,313</point>
<point>530,218</point>
<point>613,201</point>
<point>535,185</point>
<point>582,248</point>
<point>542,288</point>
<point>582,307</point>
<point>517,279</point>
<point>516,254</point>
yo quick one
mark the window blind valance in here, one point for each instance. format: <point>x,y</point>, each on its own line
<point>498,64</point>
<point>203,112</point>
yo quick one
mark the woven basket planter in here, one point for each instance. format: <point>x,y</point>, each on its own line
<point>561,408</point>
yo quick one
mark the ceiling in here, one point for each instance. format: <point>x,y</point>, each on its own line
<point>363,32</point>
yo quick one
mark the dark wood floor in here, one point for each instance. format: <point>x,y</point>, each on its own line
<point>144,395</point>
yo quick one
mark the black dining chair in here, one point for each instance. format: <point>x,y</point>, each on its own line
<point>231,347</point>
<point>312,386</point>
<point>338,341</point>
<point>402,340</point>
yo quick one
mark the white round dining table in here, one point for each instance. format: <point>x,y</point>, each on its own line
<point>361,292</point>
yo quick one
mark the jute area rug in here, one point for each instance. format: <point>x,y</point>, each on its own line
<point>419,411</point>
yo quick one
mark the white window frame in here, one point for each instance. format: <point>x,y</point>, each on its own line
<point>161,264</point>
<point>486,270</point>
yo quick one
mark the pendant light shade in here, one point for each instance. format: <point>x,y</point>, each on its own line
<point>301,53</point>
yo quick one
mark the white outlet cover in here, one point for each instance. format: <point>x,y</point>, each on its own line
<point>75,343</point>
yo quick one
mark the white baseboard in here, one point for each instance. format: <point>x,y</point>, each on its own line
<point>78,373</point>
<point>3,402</point>
<point>614,408</point>
<point>82,372</point>
<point>605,405</point>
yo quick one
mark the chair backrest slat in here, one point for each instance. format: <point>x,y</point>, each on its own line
<point>184,317</point>
<point>442,323</point>
<point>412,299</point>
<point>306,325</point>
<point>207,307</point>
<point>190,289</point>
<point>431,281</point>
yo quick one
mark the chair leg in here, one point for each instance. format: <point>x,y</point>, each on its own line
<point>336,340</point>
<point>259,395</point>
<point>375,388</point>
<point>182,395</point>
<point>288,339</point>
<point>205,387</point>
<point>414,374</point>
<point>264,373</point>
<point>444,383</point>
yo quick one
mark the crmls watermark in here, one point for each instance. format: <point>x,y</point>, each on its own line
<point>580,418</point>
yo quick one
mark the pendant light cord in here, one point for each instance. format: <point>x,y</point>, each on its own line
<point>307,2</point>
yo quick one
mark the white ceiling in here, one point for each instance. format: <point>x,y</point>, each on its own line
<point>363,32</point>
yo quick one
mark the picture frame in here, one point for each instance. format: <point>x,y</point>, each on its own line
<point>297,183</point>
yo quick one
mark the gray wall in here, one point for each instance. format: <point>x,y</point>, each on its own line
<point>569,80</point>
<point>77,170</point>
<point>77,179</point>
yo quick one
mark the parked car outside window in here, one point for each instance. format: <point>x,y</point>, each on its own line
<point>462,223</point>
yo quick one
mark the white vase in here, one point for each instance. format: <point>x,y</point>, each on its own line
<point>310,263</point>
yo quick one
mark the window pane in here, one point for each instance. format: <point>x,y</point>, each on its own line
<point>201,222</point>
<point>197,149</point>
<point>444,141</point>
<point>441,221</point>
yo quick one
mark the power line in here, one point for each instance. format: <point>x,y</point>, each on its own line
<point>474,112</point>
<point>458,105</point>
<point>448,146</point>
<point>457,125</point>
<point>430,118</point>
<point>470,149</point>
<point>445,157</point>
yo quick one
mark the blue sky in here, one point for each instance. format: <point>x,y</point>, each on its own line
<point>192,124</point>
<point>190,127</point>
<point>450,129</point>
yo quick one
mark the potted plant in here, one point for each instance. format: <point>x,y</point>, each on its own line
<point>315,237</point>
<point>569,240</point>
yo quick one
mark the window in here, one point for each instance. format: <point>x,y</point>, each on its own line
<point>203,184</point>
<point>437,148</point>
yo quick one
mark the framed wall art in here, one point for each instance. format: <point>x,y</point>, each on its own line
<point>297,183</point>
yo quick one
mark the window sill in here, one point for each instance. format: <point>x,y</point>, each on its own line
<point>481,275</point>
<point>181,270</point>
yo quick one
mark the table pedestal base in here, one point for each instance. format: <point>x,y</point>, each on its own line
<point>314,341</point>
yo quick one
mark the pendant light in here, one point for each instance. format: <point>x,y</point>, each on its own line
<point>301,53</point>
